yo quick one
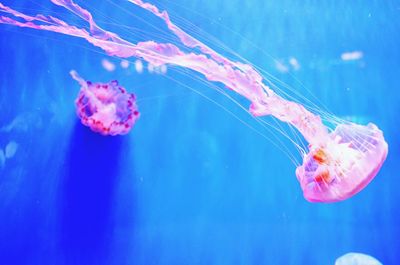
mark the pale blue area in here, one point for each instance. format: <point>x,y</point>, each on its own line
<point>191,184</point>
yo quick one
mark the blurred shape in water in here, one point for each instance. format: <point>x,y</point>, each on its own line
<point>139,66</point>
<point>11,149</point>
<point>2,158</point>
<point>23,122</point>
<point>352,56</point>
<point>285,65</point>
<point>109,66</point>
<point>281,67</point>
<point>124,64</point>
<point>353,258</point>
<point>150,68</point>
<point>294,63</point>
<point>163,69</point>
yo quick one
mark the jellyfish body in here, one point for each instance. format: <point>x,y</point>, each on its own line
<point>106,108</point>
<point>357,259</point>
<point>338,165</point>
<point>343,164</point>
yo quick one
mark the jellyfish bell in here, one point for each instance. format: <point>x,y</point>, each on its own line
<point>354,258</point>
<point>342,165</point>
<point>106,108</point>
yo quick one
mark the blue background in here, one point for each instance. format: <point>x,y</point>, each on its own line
<point>191,184</point>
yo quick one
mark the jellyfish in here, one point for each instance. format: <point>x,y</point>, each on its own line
<point>340,161</point>
<point>356,259</point>
<point>105,108</point>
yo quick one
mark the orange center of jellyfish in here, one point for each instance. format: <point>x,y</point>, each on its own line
<point>320,156</point>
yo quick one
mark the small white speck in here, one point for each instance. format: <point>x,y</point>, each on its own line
<point>352,56</point>
<point>294,63</point>
<point>150,68</point>
<point>124,64</point>
<point>139,66</point>
<point>163,69</point>
<point>109,66</point>
<point>281,67</point>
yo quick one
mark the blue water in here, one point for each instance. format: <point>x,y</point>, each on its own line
<point>191,184</point>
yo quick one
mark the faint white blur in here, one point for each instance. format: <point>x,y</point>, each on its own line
<point>352,56</point>
<point>11,149</point>
<point>124,64</point>
<point>109,66</point>
<point>357,259</point>
<point>139,66</point>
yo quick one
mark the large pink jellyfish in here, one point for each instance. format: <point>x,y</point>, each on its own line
<point>339,163</point>
<point>105,108</point>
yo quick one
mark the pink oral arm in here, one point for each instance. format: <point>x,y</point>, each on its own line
<point>242,78</point>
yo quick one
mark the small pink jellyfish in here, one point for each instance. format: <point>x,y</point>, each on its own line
<point>105,108</point>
